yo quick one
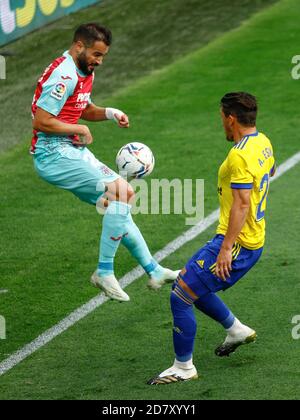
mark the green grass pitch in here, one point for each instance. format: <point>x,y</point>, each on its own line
<point>49,240</point>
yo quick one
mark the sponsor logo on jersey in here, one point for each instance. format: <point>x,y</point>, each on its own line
<point>59,91</point>
<point>81,106</point>
<point>83,97</point>
<point>66,77</point>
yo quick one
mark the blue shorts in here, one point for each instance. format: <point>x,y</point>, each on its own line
<point>72,168</point>
<point>199,272</point>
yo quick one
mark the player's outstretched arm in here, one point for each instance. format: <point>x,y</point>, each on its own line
<point>95,113</point>
<point>238,216</point>
<point>47,123</point>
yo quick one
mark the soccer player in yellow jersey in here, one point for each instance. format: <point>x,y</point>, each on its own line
<point>243,186</point>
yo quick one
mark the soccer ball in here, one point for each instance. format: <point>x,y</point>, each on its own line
<point>135,160</point>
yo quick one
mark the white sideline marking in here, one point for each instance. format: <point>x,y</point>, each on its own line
<point>130,277</point>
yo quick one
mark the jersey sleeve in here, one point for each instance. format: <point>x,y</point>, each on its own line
<point>240,175</point>
<point>55,93</point>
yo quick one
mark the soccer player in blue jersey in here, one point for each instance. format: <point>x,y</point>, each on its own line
<point>243,187</point>
<point>61,156</point>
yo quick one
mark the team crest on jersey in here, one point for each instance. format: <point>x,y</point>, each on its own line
<point>59,91</point>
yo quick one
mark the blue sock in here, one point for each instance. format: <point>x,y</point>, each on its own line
<point>136,245</point>
<point>212,306</point>
<point>184,330</point>
<point>113,230</point>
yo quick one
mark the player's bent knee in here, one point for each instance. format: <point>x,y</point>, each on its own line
<point>130,194</point>
<point>177,303</point>
<point>125,191</point>
<point>120,190</point>
<point>183,316</point>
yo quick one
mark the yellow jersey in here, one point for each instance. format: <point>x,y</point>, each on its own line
<point>249,165</point>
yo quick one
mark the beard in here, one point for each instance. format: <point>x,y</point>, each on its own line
<point>229,138</point>
<point>229,134</point>
<point>83,64</point>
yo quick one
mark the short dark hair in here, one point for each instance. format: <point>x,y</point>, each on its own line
<point>242,105</point>
<point>89,33</point>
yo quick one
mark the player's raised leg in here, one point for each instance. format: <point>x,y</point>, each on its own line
<point>113,229</point>
<point>138,248</point>
<point>119,227</point>
<point>134,241</point>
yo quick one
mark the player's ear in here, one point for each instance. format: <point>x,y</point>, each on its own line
<point>231,119</point>
<point>79,46</point>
